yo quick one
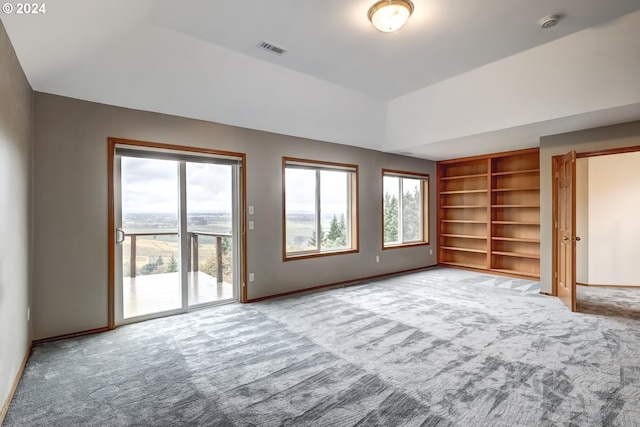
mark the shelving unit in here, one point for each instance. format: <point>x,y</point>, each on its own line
<point>463,200</point>
<point>489,213</point>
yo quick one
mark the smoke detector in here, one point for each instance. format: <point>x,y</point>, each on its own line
<point>549,21</point>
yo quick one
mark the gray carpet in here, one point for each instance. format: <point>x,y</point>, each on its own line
<point>441,347</point>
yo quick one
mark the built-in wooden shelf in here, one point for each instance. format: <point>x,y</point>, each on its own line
<point>461,249</point>
<point>463,207</point>
<point>515,206</point>
<point>516,172</point>
<point>516,254</point>
<point>516,189</point>
<point>516,272</point>
<point>515,222</point>
<point>464,191</point>
<point>464,236</point>
<point>516,239</point>
<point>477,175</point>
<point>465,265</point>
<point>464,221</point>
<point>497,194</point>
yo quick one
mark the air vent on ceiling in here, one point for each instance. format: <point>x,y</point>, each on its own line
<point>272,48</point>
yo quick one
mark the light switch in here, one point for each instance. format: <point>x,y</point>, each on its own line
<point>251,225</point>
<point>250,210</point>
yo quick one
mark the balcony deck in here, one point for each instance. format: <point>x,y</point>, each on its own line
<point>155,293</point>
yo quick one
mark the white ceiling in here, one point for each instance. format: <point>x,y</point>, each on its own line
<point>199,59</point>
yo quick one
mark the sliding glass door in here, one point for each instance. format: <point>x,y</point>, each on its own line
<point>151,246</point>
<point>176,218</point>
<point>209,214</point>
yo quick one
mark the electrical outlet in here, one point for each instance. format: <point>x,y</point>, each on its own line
<point>430,251</point>
<point>251,277</point>
<point>377,258</point>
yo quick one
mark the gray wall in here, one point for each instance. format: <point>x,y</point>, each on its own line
<point>70,206</point>
<point>608,137</point>
<point>16,122</point>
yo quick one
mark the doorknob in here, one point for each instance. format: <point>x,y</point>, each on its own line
<point>577,238</point>
<point>120,236</point>
<point>565,238</point>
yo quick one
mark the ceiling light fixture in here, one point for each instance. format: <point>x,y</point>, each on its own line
<point>549,21</point>
<point>390,15</point>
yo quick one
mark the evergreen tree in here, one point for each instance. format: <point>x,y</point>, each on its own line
<point>226,246</point>
<point>153,267</point>
<point>149,268</point>
<point>342,226</point>
<point>312,240</point>
<point>334,229</point>
<point>390,215</point>
<point>411,222</point>
<point>172,266</point>
<point>337,236</point>
<point>334,233</point>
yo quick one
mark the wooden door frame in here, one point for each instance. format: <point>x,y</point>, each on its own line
<point>554,203</point>
<point>112,142</point>
<point>554,221</point>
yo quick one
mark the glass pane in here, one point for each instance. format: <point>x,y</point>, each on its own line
<point>151,283</point>
<point>391,190</point>
<point>300,209</point>
<point>411,210</point>
<point>209,210</point>
<point>334,208</point>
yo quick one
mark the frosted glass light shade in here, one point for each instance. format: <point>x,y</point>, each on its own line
<point>390,15</point>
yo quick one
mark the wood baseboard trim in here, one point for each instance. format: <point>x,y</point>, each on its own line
<point>593,285</point>
<point>16,381</point>
<point>72,335</point>
<point>343,283</point>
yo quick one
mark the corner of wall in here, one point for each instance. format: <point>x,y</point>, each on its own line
<point>16,159</point>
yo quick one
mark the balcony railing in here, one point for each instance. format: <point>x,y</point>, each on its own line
<point>193,238</point>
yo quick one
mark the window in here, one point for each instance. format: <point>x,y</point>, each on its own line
<point>405,206</point>
<point>320,208</point>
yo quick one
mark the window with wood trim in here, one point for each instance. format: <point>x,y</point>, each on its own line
<point>320,208</point>
<point>405,208</point>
